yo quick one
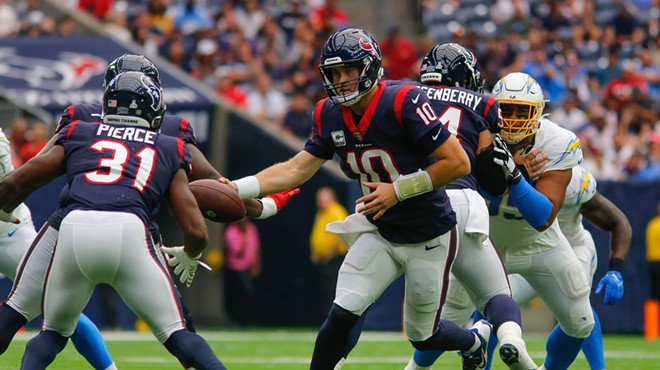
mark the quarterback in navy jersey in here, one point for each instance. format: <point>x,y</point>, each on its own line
<point>117,170</point>
<point>389,135</point>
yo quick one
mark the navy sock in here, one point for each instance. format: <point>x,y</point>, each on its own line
<point>561,350</point>
<point>354,335</point>
<point>42,350</point>
<point>10,322</point>
<point>89,343</point>
<point>332,340</point>
<point>500,309</point>
<point>190,348</point>
<point>593,346</point>
<point>448,337</point>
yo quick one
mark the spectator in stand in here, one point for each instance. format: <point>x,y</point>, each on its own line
<point>66,26</point>
<point>569,114</point>
<point>297,121</point>
<point>265,102</point>
<point>399,55</point>
<point>327,249</point>
<point>627,88</point>
<point>327,18</point>
<point>17,138</point>
<point>293,13</point>
<point>226,89</point>
<point>250,17</point>
<point>9,23</point>
<point>190,16</point>
<point>653,254</point>
<point>38,137</point>
<point>203,66</point>
<point>243,256</point>
<point>650,72</point>
<point>98,8</point>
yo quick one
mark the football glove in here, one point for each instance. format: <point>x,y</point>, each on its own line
<point>613,284</point>
<point>504,159</point>
<point>9,217</point>
<point>274,203</point>
<point>184,266</point>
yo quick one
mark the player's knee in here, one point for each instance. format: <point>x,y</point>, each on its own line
<point>341,317</point>
<point>351,301</point>
<point>580,327</point>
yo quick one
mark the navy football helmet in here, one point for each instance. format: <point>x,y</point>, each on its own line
<point>133,99</point>
<point>351,47</point>
<point>131,62</point>
<point>452,64</point>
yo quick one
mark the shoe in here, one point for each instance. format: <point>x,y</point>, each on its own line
<point>413,366</point>
<point>477,359</point>
<point>340,363</point>
<point>516,357</point>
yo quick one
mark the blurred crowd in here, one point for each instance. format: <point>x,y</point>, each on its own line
<point>597,60</point>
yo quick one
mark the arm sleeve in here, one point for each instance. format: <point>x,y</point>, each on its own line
<point>533,206</point>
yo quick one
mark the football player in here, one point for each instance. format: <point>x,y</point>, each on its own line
<point>23,304</point>
<point>14,244</point>
<point>455,89</point>
<point>388,134</point>
<point>523,221</point>
<point>584,201</point>
<point>114,185</point>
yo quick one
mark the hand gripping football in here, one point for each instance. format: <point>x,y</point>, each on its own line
<point>217,201</point>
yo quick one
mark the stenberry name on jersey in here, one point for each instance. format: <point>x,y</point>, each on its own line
<point>453,96</point>
<point>127,133</point>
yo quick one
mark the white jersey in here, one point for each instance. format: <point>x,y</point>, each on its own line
<point>6,166</point>
<point>508,229</point>
<point>579,191</point>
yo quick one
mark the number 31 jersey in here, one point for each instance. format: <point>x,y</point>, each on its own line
<point>119,168</point>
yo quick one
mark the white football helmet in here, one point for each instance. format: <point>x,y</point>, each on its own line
<point>522,103</point>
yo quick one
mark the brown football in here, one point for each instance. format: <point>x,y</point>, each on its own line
<point>217,201</point>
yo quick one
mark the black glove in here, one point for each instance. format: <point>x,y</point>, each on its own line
<point>504,159</point>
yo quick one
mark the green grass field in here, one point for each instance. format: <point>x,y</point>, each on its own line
<point>291,350</point>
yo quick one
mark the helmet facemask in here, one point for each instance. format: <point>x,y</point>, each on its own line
<point>521,119</point>
<point>521,102</point>
<point>358,86</point>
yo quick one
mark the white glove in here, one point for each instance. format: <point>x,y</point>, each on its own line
<point>504,159</point>
<point>9,217</point>
<point>184,266</point>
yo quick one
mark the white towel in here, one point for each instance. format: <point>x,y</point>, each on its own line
<point>351,228</point>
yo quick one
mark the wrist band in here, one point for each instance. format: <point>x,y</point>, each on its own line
<point>413,184</point>
<point>269,208</point>
<point>248,187</point>
<point>616,264</point>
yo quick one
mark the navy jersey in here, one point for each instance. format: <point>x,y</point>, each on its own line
<point>465,113</point>
<point>119,168</point>
<point>172,125</point>
<point>395,136</point>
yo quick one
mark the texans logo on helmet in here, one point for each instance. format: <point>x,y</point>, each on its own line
<point>367,45</point>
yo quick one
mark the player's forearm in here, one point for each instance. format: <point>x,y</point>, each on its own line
<point>621,239</point>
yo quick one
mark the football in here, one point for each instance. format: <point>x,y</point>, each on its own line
<point>217,201</point>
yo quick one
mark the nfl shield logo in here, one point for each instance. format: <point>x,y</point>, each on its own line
<point>338,138</point>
